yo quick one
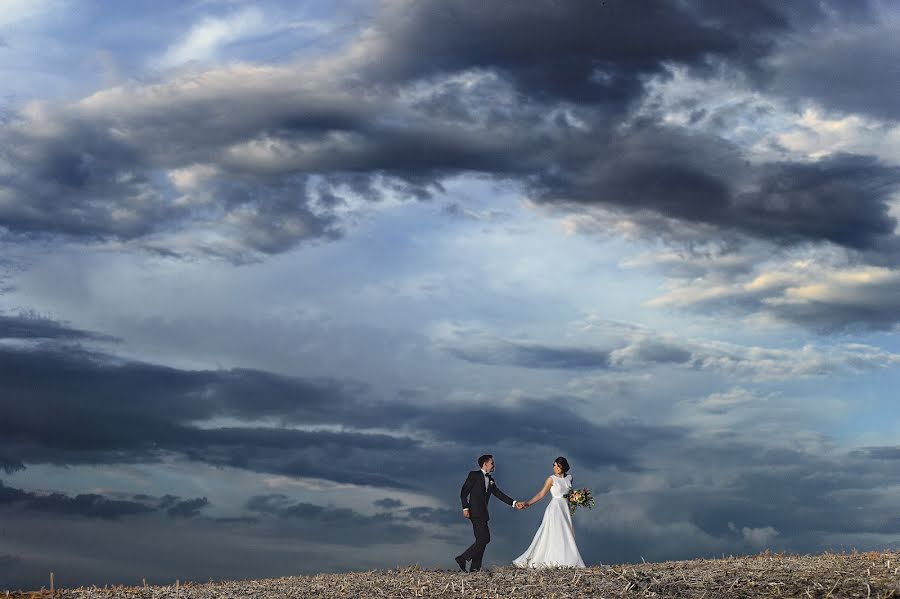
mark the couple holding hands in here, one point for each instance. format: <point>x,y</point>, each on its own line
<point>554,542</point>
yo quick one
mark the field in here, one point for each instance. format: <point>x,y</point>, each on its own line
<point>872,575</point>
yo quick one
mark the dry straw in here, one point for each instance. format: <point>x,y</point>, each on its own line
<point>831,575</point>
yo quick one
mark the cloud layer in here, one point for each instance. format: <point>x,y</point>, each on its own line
<point>253,158</point>
<point>722,473</point>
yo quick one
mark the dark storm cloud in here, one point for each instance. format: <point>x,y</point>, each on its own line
<point>430,515</point>
<point>867,309</point>
<point>596,53</point>
<point>186,508</point>
<point>581,51</point>
<point>249,520</point>
<point>799,493</point>
<point>229,156</point>
<point>136,412</point>
<point>156,549</point>
<point>95,505</point>
<point>357,458</point>
<point>881,453</point>
<point>533,356</point>
<point>36,327</point>
<point>264,156</point>
<point>387,503</point>
<point>599,54</point>
<point>340,526</point>
<point>640,352</point>
<point>67,405</point>
<point>95,173</point>
<point>643,350</point>
<point>10,564</point>
<point>842,199</point>
<point>88,504</point>
<point>10,464</point>
<point>661,352</point>
<point>116,189</point>
<point>449,423</point>
<point>851,69</point>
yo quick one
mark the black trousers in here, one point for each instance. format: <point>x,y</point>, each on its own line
<point>475,552</point>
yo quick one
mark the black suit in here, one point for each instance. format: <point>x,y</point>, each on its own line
<point>475,497</point>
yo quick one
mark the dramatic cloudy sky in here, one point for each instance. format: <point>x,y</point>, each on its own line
<point>273,275</point>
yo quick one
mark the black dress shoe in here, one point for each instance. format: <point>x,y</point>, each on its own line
<point>461,562</point>
<point>475,570</point>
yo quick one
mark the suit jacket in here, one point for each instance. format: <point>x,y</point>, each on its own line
<point>475,497</point>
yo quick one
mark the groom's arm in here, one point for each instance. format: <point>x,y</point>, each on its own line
<point>466,491</point>
<point>502,496</point>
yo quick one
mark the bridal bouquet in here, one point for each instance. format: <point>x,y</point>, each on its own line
<point>580,498</point>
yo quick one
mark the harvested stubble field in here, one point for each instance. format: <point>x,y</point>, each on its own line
<point>835,575</point>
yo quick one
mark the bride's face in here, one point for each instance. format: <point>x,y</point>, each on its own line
<point>557,470</point>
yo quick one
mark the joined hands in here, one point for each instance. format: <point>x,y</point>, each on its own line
<point>521,505</point>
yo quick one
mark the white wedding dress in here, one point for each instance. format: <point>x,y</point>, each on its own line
<point>554,542</point>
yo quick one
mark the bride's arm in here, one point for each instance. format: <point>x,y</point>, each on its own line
<point>541,493</point>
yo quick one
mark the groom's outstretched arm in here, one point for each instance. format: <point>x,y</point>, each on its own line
<point>466,491</point>
<point>501,495</point>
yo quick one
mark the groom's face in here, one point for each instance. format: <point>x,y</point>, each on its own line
<point>489,465</point>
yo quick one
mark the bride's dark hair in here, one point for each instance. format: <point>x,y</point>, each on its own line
<point>563,463</point>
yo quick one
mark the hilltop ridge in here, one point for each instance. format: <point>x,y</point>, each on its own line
<point>872,575</point>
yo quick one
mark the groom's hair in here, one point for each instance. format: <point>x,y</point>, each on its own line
<point>484,459</point>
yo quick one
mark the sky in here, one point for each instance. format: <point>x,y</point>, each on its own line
<point>274,274</point>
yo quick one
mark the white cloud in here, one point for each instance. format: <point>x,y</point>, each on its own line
<point>14,12</point>
<point>725,105</point>
<point>763,363</point>
<point>757,537</point>
<point>191,177</point>
<point>814,135</point>
<point>771,128</point>
<point>614,348</point>
<point>206,38</point>
<point>806,292</point>
<point>726,401</point>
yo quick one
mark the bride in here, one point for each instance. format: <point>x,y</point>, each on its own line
<point>554,541</point>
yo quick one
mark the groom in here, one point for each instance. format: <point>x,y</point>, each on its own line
<point>475,494</point>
